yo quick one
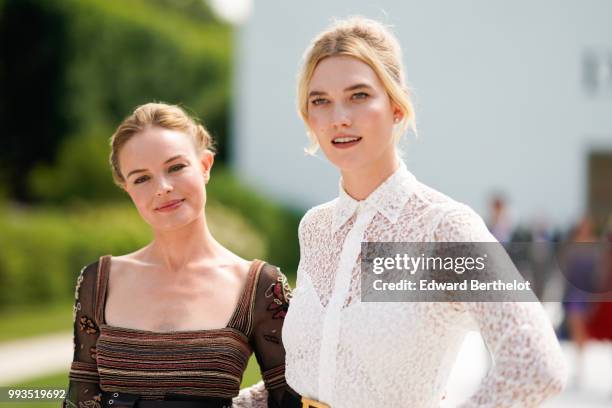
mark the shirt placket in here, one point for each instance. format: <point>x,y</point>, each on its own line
<point>333,312</point>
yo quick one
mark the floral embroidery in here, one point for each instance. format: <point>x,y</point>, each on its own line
<point>78,284</point>
<point>69,404</point>
<point>76,308</point>
<point>280,292</point>
<point>87,325</point>
<point>92,403</point>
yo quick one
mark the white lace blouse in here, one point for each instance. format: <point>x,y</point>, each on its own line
<point>349,353</point>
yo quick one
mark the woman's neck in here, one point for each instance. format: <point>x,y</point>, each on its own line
<point>360,183</point>
<point>174,250</point>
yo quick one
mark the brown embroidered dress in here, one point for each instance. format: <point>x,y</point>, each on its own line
<point>198,363</point>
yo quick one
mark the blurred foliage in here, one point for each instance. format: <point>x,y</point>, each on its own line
<point>81,172</point>
<point>71,67</point>
<point>278,224</point>
<point>192,9</point>
<point>43,250</point>
<point>3,191</point>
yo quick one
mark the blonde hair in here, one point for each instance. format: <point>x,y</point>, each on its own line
<point>166,116</point>
<point>370,42</point>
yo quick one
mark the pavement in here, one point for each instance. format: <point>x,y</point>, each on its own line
<point>31,358</point>
<point>35,357</point>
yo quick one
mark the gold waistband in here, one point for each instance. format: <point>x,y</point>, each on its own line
<point>309,403</point>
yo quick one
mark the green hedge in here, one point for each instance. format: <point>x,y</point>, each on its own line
<point>277,223</point>
<point>42,250</point>
<point>81,172</point>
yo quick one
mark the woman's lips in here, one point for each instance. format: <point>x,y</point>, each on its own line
<point>345,141</point>
<point>170,205</point>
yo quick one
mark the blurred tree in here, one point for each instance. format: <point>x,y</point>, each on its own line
<point>32,62</point>
<point>192,9</point>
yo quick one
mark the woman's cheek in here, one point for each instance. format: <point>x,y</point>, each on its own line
<point>316,122</point>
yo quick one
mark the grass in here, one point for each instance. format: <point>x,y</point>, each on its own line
<point>35,321</point>
<point>251,374</point>
<point>57,380</point>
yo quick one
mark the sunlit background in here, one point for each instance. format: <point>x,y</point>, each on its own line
<point>514,111</point>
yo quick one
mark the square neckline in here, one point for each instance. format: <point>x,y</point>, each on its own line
<point>104,265</point>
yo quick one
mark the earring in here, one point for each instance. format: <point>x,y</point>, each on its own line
<point>396,119</point>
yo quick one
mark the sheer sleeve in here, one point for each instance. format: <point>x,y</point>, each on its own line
<point>271,305</point>
<point>83,389</point>
<point>527,363</point>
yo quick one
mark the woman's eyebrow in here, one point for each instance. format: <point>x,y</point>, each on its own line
<point>173,158</point>
<point>316,93</point>
<point>350,88</point>
<point>135,171</point>
<point>357,86</point>
<point>178,156</point>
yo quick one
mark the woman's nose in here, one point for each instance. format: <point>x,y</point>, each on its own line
<point>164,187</point>
<point>340,117</point>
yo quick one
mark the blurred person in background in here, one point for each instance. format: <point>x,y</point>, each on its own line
<point>595,321</point>
<point>600,325</point>
<point>541,255</point>
<point>581,261</point>
<point>173,324</point>
<point>500,223</point>
<point>353,98</point>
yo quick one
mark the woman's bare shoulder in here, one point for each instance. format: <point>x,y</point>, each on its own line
<point>120,263</point>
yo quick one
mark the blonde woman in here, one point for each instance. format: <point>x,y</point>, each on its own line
<point>173,324</point>
<point>344,353</point>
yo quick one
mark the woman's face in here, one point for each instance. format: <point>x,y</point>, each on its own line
<point>165,177</point>
<point>351,113</point>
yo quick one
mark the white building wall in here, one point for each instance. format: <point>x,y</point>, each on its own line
<point>500,101</point>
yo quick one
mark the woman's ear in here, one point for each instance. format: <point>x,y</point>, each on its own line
<point>398,114</point>
<point>206,160</point>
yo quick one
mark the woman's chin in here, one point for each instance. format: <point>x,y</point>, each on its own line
<point>349,164</point>
<point>171,224</point>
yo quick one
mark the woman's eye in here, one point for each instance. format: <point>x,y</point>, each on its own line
<point>141,179</point>
<point>318,101</point>
<point>176,167</point>
<point>360,95</point>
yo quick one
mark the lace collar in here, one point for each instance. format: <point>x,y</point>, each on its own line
<point>389,198</point>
